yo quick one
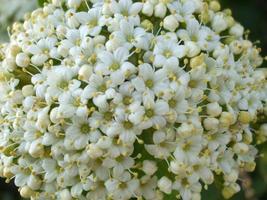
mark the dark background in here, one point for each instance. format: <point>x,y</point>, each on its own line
<point>252,14</point>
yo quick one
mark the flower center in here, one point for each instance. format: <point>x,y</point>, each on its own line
<point>127,100</point>
<point>194,38</point>
<point>167,53</point>
<point>92,23</point>
<point>192,83</point>
<point>149,83</point>
<point>85,128</point>
<point>114,66</point>
<point>108,116</point>
<point>102,88</point>
<point>122,185</point>
<point>149,113</point>
<point>130,38</point>
<point>127,125</point>
<point>78,42</point>
<point>186,146</point>
<point>185,182</point>
<point>172,103</point>
<point>63,84</point>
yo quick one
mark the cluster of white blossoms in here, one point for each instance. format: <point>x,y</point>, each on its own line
<point>13,10</point>
<point>127,99</point>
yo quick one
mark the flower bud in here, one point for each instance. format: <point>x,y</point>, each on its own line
<point>149,167</point>
<point>146,24</point>
<point>244,117</point>
<point>160,10</point>
<point>27,90</point>
<point>214,109</point>
<point>7,172</point>
<point>85,72</point>
<point>229,191</point>
<point>250,166</point>
<point>147,9</point>
<point>230,21</point>
<point>219,23</point>
<point>165,185</point>
<point>237,30</point>
<point>54,115</point>
<point>170,23</point>
<point>26,192</point>
<point>192,50</point>
<point>36,149</point>
<point>22,60</point>
<point>211,123</point>
<point>186,129</point>
<point>215,6</point>
<point>74,3</point>
<point>227,119</point>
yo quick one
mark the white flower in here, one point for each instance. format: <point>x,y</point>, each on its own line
<point>129,36</point>
<point>124,129</point>
<point>166,50</point>
<point>119,165</point>
<point>51,171</point>
<point>148,187</point>
<point>122,189</point>
<point>58,85</point>
<point>188,188</point>
<point>188,149</point>
<point>204,37</point>
<point>153,112</point>
<point>92,21</point>
<point>126,8</point>
<point>78,134</point>
<point>163,145</point>
<point>115,65</point>
<point>128,99</point>
<point>42,50</point>
<point>149,79</point>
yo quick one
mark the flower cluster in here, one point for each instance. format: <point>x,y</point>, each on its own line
<point>127,99</point>
<point>13,10</point>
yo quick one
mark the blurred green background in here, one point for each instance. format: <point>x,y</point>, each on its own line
<point>252,14</point>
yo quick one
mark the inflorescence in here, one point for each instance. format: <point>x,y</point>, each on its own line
<point>129,100</point>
